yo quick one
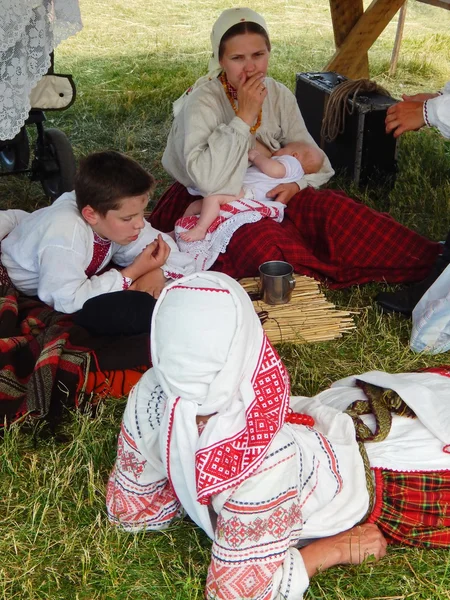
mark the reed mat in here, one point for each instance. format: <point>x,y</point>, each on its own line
<point>308,317</point>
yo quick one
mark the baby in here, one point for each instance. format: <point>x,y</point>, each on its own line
<point>287,165</point>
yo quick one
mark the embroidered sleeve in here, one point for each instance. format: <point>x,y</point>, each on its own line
<point>436,113</point>
<point>253,554</point>
<point>135,502</point>
<point>127,281</point>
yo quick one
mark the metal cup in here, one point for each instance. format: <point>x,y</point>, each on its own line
<point>277,281</point>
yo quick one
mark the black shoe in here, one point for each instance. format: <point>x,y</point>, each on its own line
<point>402,302</point>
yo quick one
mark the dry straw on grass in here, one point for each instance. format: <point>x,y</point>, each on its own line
<point>308,317</point>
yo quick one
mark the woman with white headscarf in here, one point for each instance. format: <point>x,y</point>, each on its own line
<point>235,108</point>
<point>211,430</point>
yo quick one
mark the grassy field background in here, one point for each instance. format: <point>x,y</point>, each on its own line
<point>130,62</point>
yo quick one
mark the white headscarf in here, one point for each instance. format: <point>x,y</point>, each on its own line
<point>210,357</point>
<point>229,18</point>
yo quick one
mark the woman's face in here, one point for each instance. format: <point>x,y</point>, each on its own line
<point>243,56</point>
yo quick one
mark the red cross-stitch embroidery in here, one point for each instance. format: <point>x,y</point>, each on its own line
<point>99,253</point>
<point>231,462</point>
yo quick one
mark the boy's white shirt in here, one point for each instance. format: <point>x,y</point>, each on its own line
<point>49,251</point>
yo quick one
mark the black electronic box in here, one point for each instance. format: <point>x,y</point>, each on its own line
<point>363,151</point>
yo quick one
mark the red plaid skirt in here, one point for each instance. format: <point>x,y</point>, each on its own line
<point>413,508</point>
<point>324,234</point>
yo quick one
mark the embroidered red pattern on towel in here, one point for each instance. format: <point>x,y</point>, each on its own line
<point>134,504</point>
<point>172,275</point>
<point>226,465</point>
<point>443,370</point>
<point>239,583</point>
<point>253,537</point>
<point>228,210</point>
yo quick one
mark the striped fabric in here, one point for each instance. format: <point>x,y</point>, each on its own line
<point>111,384</point>
<point>413,508</point>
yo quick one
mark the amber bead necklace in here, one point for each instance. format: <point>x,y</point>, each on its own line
<point>226,86</point>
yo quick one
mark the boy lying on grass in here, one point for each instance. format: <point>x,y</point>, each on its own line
<point>62,253</point>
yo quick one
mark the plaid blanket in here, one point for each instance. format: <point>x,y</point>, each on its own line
<point>324,234</point>
<point>47,362</point>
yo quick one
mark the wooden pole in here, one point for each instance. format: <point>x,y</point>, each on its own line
<point>398,40</point>
<point>344,16</point>
<point>364,33</point>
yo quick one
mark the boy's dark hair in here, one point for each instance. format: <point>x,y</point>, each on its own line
<point>239,29</point>
<point>104,179</point>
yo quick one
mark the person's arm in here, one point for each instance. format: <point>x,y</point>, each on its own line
<point>10,219</point>
<point>437,113</point>
<point>262,149</point>
<point>150,259</point>
<point>135,499</point>
<point>153,283</point>
<point>418,110</point>
<point>208,145</point>
<point>349,547</point>
<point>215,153</point>
<point>63,283</point>
<point>256,531</point>
<point>258,543</point>
<point>271,168</point>
<point>139,495</point>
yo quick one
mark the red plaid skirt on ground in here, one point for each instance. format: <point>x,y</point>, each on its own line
<point>324,234</point>
<point>413,508</point>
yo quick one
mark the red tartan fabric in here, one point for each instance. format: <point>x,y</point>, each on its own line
<point>39,368</point>
<point>413,508</point>
<point>45,359</point>
<point>324,234</point>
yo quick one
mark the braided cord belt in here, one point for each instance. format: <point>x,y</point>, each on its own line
<point>381,403</point>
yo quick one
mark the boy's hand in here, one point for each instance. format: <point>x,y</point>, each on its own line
<point>152,282</point>
<point>152,257</point>
<point>161,253</point>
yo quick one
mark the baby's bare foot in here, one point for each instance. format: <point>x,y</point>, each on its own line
<point>193,235</point>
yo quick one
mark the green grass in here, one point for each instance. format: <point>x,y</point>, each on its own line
<point>130,62</point>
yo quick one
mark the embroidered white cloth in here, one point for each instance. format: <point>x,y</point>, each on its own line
<point>439,111</point>
<point>231,217</point>
<point>29,32</point>
<point>310,482</point>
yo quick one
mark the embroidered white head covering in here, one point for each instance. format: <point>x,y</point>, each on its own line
<point>229,18</point>
<point>210,357</point>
